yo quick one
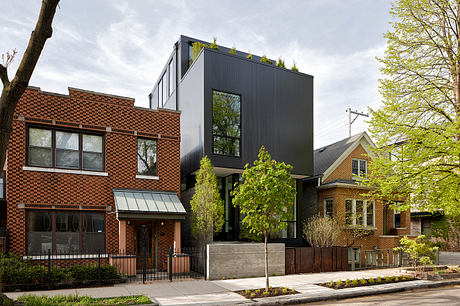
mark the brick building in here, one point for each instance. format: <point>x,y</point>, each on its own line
<point>90,171</point>
<point>338,167</point>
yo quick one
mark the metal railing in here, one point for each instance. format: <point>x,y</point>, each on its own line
<point>377,258</point>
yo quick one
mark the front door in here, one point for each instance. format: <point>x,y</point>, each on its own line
<point>144,245</point>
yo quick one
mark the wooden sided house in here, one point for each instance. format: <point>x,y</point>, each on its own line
<point>338,167</point>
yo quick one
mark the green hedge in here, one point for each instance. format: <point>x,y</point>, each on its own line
<point>15,273</point>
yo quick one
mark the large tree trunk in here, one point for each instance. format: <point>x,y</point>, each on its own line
<point>267,284</point>
<point>12,91</point>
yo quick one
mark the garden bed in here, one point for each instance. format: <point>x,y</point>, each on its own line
<point>261,293</point>
<point>435,272</point>
<point>367,281</point>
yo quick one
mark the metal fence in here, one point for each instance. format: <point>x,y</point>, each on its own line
<point>4,240</point>
<point>64,270</point>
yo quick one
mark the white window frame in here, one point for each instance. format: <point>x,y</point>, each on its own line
<point>359,168</point>
<point>396,212</point>
<point>325,206</point>
<point>364,212</point>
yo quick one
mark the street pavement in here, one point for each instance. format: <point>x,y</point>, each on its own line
<point>221,292</point>
<point>437,296</point>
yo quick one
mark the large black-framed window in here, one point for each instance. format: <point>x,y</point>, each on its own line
<point>147,157</point>
<point>226,123</point>
<point>66,149</point>
<point>65,232</point>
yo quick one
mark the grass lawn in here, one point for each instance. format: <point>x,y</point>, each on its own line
<point>73,300</point>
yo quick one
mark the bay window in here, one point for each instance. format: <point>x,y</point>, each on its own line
<point>359,213</point>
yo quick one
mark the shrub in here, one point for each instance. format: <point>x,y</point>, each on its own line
<point>363,281</point>
<point>294,68</point>
<point>354,282</point>
<point>232,51</point>
<point>280,63</point>
<point>321,231</point>
<point>213,45</point>
<point>253,294</point>
<point>285,290</point>
<point>264,59</point>
<point>418,249</point>
<point>266,292</point>
<point>249,56</point>
<point>379,279</point>
<point>196,48</point>
<point>387,279</point>
<point>371,281</point>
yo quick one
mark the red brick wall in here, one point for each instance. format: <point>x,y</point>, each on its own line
<point>82,110</point>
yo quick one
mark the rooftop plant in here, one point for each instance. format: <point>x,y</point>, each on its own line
<point>294,68</point>
<point>264,59</point>
<point>280,63</point>
<point>232,51</point>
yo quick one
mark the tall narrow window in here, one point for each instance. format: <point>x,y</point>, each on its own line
<point>370,213</point>
<point>349,212</point>
<point>160,93</point>
<point>328,204</point>
<point>172,75</point>
<point>40,145</point>
<point>359,213</point>
<point>92,153</point>
<point>165,89</point>
<point>226,127</point>
<point>147,157</point>
<point>397,219</point>
<point>39,232</point>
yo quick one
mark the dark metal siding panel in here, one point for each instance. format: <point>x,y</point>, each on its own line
<point>276,106</point>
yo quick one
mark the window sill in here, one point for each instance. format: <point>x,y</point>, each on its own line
<point>147,177</point>
<point>67,171</point>
<point>76,256</point>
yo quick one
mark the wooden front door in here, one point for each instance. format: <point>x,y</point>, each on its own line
<point>144,245</point>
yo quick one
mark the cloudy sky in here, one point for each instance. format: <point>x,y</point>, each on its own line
<point>120,46</point>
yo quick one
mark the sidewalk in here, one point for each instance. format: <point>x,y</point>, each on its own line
<point>220,292</point>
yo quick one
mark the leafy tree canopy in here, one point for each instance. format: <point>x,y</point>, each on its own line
<point>417,131</point>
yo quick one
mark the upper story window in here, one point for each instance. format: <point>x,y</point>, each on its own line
<point>328,208</point>
<point>2,185</point>
<point>359,212</point>
<point>147,157</point>
<point>163,90</point>
<point>226,123</point>
<point>397,219</point>
<point>172,75</point>
<point>359,167</point>
<point>64,149</point>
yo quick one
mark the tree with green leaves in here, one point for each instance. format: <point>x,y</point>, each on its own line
<point>417,131</point>
<point>264,198</point>
<point>207,206</point>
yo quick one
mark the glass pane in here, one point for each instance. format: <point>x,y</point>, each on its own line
<point>226,146</point>
<point>93,223</point>
<point>147,157</point>
<point>39,157</point>
<point>39,235</point>
<point>172,76</point>
<point>359,212</point>
<point>165,88</point>
<point>40,138</point>
<point>354,166</point>
<point>362,168</point>
<point>67,222</point>
<point>67,232</point>
<point>370,213</point>
<point>328,210</point>
<point>67,243</point>
<point>348,212</point>
<point>92,143</point>
<point>67,159</point>
<point>92,161</point>
<point>93,232</point>
<point>226,114</point>
<point>93,242</point>
<point>66,140</point>
<point>160,94</point>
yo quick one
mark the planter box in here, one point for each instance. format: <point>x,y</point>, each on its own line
<point>125,264</point>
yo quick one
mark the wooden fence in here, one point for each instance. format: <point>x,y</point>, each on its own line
<point>315,260</point>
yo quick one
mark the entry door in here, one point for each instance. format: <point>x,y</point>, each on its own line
<point>144,245</point>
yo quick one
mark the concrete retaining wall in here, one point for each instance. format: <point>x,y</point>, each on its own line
<point>449,258</point>
<point>236,259</point>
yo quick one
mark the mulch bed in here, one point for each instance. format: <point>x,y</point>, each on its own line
<point>260,293</point>
<point>367,282</point>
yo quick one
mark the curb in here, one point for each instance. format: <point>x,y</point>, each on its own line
<point>308,298</point>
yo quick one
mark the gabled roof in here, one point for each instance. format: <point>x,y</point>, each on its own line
<point>327,158</point>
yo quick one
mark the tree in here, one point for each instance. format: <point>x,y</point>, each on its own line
<point>419,250</point>
<point>207,206</point>
<point>13,90</point>
<point>264,198</point>
<point>417,131</point>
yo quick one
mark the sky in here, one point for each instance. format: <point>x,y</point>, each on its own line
<point>120,46</point>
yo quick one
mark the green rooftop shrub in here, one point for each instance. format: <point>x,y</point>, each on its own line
<point>264,59</point>
<point>280,63</point>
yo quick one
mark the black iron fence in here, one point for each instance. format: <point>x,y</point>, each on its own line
<point>4,240</point>
<point>66,270</point>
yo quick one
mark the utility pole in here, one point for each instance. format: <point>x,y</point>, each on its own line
<point>349,111</point>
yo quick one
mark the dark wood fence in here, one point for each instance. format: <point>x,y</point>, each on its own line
<point>315,260</point>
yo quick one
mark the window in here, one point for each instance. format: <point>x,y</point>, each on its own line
<point>2,185</point>
<point>164,81</point>
<point>160,93</point>
<point>147,157</point>
<point>426,226</point>
<point>359,167</point>
<point>65,232</point>
<point>65,149</point>
<point>190,54</point>
<point>172,75</point>
<point>226,128</point>
<point>359,212</point>
<point>328,210</point>
<point>397,219</point>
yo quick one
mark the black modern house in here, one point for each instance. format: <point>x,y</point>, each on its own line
<point>230,106</point>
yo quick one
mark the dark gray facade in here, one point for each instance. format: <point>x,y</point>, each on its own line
<point>276,111</point>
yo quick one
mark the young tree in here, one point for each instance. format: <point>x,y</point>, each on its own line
<point>207,206</point>
<point>264,198</point>
<point>13,90</point>
<point>417,130</point>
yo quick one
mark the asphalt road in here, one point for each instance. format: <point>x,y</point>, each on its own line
<point>426,297</point>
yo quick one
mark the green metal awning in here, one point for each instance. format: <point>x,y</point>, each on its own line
<point>144,204</point>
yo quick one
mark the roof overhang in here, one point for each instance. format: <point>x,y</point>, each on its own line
<point>147,205</point>
<point>344,185</point>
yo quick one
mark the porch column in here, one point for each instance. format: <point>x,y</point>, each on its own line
<point>177,233</point>
<point>122,236</point>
